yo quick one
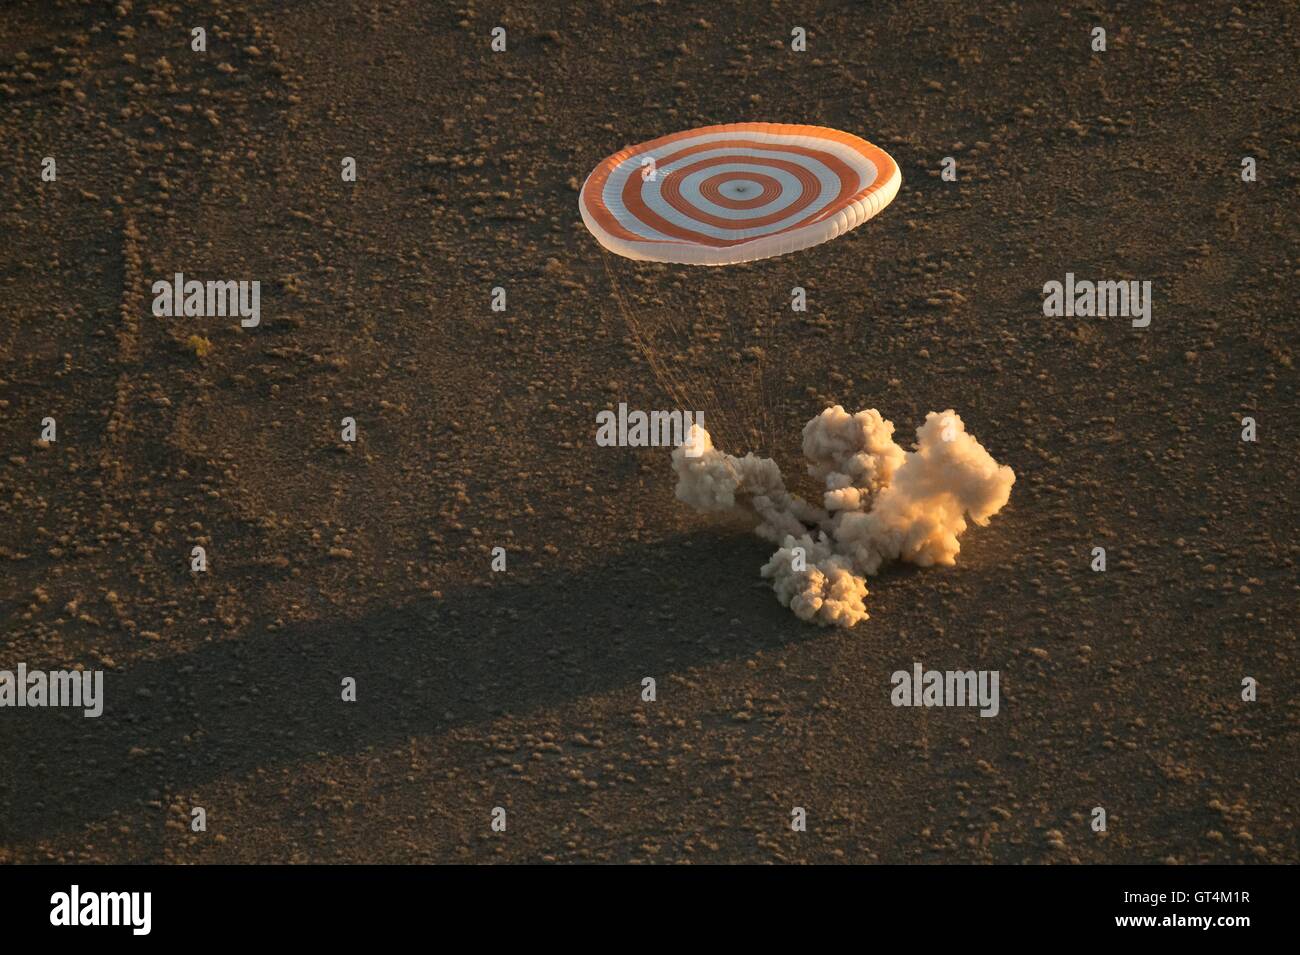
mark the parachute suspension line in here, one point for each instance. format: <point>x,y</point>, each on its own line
<point>755,403</point>
<point>722,414</point>
<point>663,374</point>
<point>765,426</point>
<point>761,365</point>
<point>748,168</point>
<point>781,374</point>
<point>760,430</point>
<point>749,403</point>
<point>780,370</point>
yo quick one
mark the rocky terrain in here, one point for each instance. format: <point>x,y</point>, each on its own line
<point>475,429</point>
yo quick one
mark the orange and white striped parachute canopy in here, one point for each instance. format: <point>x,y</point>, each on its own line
<point>725,194</point>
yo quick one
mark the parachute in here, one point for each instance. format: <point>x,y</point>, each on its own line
<point>724,195</point>
<point>720,195</point>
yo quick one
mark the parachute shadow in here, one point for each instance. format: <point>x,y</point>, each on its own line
<point>267,699</point>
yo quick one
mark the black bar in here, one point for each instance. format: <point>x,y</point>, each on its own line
<point>328,904</point>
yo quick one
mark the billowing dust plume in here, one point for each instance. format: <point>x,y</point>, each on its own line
<point>881,503</point>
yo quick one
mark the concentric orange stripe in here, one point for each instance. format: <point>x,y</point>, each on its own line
<point>671,192</point>
<point>886,171</point>
<point>636,205</point>
<point>711,189</point>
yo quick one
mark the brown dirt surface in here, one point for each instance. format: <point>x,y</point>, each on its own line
<point>476,430</point>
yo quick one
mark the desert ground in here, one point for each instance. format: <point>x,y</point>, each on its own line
<point>522,689</point>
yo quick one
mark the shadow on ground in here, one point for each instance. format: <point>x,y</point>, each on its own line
<point>274,697</point>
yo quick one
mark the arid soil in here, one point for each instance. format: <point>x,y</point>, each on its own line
<point>522,689</point>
